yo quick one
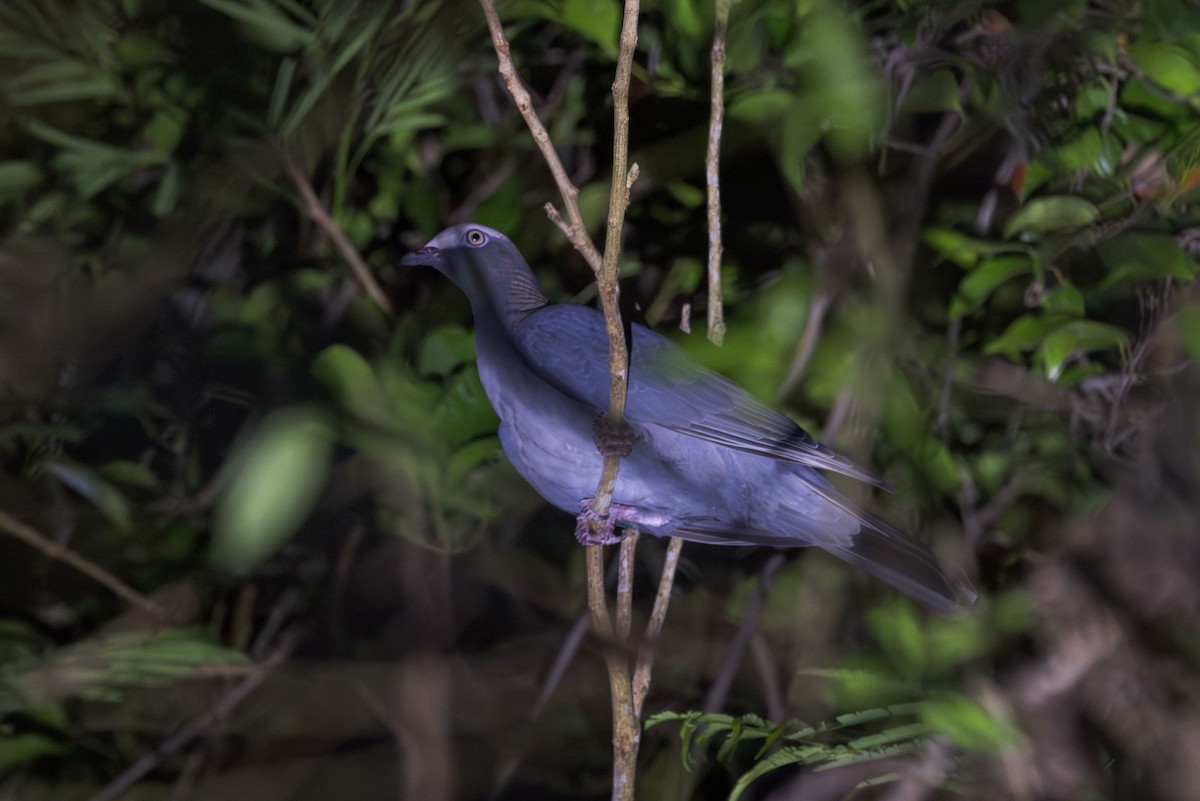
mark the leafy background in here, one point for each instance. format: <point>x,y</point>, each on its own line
<point>960,246</point>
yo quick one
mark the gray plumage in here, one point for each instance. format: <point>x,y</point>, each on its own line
<point>712,463</point>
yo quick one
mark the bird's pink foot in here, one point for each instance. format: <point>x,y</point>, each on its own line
<point>591,529</point>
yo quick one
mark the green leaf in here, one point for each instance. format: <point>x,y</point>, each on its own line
<point>895,626</point>
<point>445,349</point>
<point>932,93</point>
<point>843,90</point>
<point>268,23</point>
<point>466,411</point>
<point>104,496</point>
<point>688,195</point>
<point>985,278</point>
<point>598,21</point>
<point>1065,300</point>
<point>274,482</point>
<point>1024,333</point>
<point>1170,66</point>
<point>896,734</point>
<point>1144,257</point>
<point>131,474</point>
<point>686,18</point>
<point>968,724</point>
<point>18,178</point>
<point>953,641</point>
<point>963,250</point>
<point>166,197</point>
<point>165,130</point>
<point>59,82</point>
<point>789,755</point>
<point>760,108</point>
<point>1078,335</point>
<point>353,382</point>
<point>1085,153</point>
<point>19,749</point>
<point>858,688</point>
<point>1188,323</point>
<point>800,131</point>
<point>139,50</point>
<point>100,667</point>
<point>1048,214</point>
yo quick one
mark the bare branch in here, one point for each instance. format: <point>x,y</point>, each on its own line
<point>815,322</point>
<point>606,277</point>
<point>712,172</point>
<point>601,620</point>
<point>645,662</point>
<point>317,213</point>
<point>625,585</point>
<point>719,691</point>
<point>576,232</point>
<point>30,536</point>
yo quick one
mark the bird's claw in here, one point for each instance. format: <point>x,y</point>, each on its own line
<point>613,438</point>
<point>591,529</point>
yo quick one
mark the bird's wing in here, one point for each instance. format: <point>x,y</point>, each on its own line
<point>567,346</point>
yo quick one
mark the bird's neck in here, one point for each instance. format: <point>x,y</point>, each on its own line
<point>507,301</point>
<point>520,297</point>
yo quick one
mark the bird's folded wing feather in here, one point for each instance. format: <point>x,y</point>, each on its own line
<point>568,347</point>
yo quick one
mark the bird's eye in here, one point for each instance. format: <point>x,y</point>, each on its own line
<point>475,237</point>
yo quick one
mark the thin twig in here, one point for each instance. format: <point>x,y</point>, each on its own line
<point>712,162</point>
<point>768,677</point>
<point>317,213</point>
<point>487,187</point>
<point>817,309</point>
<point>645,661</point>
<point>566,653</point>
<point>625,564</point>
<point>576,231</point>
<point>203,724</point>
<point>719,692</point>
<point>52,550</point>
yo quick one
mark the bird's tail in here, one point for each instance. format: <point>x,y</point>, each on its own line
<point>909,566</point>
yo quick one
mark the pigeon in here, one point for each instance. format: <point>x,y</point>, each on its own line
<point>703,460</point>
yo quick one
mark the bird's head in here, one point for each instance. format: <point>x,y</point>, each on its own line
<point>485,265</point>
<point>463,245</point>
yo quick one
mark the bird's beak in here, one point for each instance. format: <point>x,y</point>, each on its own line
<point>427,256</point>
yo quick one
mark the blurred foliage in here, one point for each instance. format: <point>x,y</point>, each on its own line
<point>960,243</point>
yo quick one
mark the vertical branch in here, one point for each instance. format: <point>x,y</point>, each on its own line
<point>712,164</point>
<point>601,620</point>
<point>627,732</point>
<point>628,687</point>
<point>606,277</point>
